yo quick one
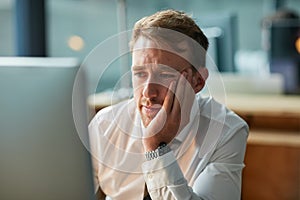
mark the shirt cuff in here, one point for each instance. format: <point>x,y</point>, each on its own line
<point>162,171</point>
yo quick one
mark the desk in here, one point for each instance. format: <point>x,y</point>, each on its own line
<point>275,112</point>
<point>273,150</point>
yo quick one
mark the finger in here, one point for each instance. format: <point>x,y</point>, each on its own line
<point>179,93</point>
<point>188,96</point>
<point>185,95</point>
<point>188,90</point>
<point>189,75</point>
<point>168,101</point>
<point>157,124</point>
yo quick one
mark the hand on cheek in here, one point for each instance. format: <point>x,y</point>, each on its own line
<point>173,116</point>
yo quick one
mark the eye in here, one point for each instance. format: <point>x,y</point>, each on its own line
<point>140,74</point>
<point>167,75</point>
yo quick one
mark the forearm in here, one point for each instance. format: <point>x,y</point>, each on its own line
<point>219,176</point>
<point>165,180</point>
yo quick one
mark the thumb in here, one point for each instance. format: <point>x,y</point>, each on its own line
<point>157,123</point>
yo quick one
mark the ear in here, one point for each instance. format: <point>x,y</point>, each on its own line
<point>199,78</point>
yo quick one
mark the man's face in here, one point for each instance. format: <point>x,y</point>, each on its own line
<point>152,72</point>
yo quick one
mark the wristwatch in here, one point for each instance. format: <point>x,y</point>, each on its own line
<point>162,149</point>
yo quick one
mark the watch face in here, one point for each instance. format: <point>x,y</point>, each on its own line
<point>162,144</point>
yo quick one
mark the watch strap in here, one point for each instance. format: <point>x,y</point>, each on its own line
<point>162,149</point>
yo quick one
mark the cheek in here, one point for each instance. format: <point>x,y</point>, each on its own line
<point>163,93</point>
<point>137,92</point>
<point>135,85</point>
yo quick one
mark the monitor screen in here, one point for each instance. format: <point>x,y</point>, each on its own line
<point>221,31</point>
<point>284,52</point>
<point>41,153</point>
<point>285,39</point>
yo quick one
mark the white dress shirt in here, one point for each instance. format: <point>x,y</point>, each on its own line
<point>206,160</point>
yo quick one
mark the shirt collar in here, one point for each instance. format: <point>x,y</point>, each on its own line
<point>186,130</point>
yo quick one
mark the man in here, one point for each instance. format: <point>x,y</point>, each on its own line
<point>168,142</point>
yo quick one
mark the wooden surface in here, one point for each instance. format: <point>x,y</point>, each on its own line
<point>271,172</point>
<point>273,149</point>
<point>277,112</point>
<point>265,104</point>
<point>274,138</point>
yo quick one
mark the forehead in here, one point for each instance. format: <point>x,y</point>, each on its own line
<point>147,51</point>
<point>152,56</point>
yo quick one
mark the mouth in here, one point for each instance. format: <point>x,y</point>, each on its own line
<point>151,110</point>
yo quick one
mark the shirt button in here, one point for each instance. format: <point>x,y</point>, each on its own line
<point>150,176</point>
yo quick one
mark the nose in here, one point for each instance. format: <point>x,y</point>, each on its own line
<point>150,90</point>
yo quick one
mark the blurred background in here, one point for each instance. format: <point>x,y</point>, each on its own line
<point>254,43</point>
<point>60,28</point>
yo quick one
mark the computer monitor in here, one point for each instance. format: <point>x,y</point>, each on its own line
<point>41,153</point>
<point>284,53</point>
<point>221,30</point>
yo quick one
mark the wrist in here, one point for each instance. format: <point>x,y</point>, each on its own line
<point>150,144</point>
<point>162,149</point>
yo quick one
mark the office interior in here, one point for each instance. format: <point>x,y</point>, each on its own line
<point>255,67</point>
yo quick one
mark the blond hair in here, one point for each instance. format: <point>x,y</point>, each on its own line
<point>170,19</point>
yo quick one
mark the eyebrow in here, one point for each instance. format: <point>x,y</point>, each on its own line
<point>160,68</point>
<point>166,68</point>
<point>137,67</point>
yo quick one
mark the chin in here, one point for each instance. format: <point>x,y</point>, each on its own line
<point>146,120</point>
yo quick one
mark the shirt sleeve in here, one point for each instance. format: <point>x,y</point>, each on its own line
<point>219,180</point>
<point>93,132</point>
<point>165,180</point>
